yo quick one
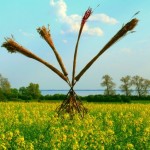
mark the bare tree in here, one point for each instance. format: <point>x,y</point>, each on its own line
<point>146,86</point>
<point>109,84</point>
<point>126,85</point>
<point>141,85</point>
<point>4,85</point>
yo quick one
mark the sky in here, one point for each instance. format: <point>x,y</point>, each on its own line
<point>129,56</point>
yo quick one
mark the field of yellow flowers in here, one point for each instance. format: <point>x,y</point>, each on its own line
<point>29,126</point>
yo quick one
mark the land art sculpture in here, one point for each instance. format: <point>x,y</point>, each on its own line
<point>71,105</point>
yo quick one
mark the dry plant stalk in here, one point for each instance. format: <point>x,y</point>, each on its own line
<point>71,105</point>
<point>84,19</point>
<point>45,34</point>
<point>14,47</point>
<point>121,33</point>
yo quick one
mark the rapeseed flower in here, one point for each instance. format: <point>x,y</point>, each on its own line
<point>130,146</point>
<point>9,135</point>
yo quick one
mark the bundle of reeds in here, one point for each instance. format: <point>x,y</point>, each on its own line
<point>83,21</point>
<point>72,105</point>
<point>121,33</point>
<point>14,47</point>
<point>45,34</point>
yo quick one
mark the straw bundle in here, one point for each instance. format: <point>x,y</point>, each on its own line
<point>71,105</point>
<point>45,34</point>
<point>121,33</point>
<point>14,47</point>
<point>84,19</point>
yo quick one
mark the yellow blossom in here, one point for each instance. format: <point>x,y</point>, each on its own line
<point>130,146</point>
<point>2,136</point>
<point>20,140</point>
<point>9,135</point>
<point>16,132</point>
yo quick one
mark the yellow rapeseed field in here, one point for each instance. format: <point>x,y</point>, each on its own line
<point>36,126</point>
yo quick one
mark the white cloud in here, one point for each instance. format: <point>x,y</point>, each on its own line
<point>60,7</point>
<point>65,41</point>
<point>29,35</point>
<point>127,51</point>
<point>103,18</point>
<point>93,31</point>
<point>71,23</point>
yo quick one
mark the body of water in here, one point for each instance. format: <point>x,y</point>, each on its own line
<point>79,92</point>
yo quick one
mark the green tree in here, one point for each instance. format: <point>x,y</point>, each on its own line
<point>126,85</point>
<point>22,90</point>
<point>141,85</point>
<point>23,93</point>
<point>2,97</point>
<point>14,93</point>
<point>109,84</point>
<point>34,91</point>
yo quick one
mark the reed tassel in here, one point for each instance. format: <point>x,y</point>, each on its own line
<point>84,19</point>
<point>45,34</point>
<point>14,47</point>
<point>121,33</point>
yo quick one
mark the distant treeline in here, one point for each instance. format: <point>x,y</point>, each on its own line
<point>98,98</point>
<point>115,98</point>
<point>32,92</point>
<point>89,98</point>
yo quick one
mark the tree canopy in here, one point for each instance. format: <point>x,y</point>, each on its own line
<point>109,84</point>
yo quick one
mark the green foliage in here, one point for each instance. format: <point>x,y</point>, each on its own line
<point>23,94</point>
<point>2,97</point>
<point>30,92</point>
<point>53,97</point>
<point>33,91</point>
<point>14,93</point>
<point>105,98</point>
